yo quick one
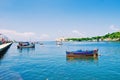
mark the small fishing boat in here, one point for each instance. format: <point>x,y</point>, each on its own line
<point>26,45</point>
<point>82,53</point>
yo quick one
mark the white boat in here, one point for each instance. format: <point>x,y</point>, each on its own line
<point>5,46</point>
<point>5,43</point>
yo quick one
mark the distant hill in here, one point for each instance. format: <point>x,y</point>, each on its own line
<point>115,36</point>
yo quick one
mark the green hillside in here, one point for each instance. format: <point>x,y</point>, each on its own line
<point>108,37</point>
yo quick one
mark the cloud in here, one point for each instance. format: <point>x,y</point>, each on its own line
<point>114,28</point>
<point>44,36</point>
<point>4,31</point>
<point>23,36</point>
<point>78,34</point>
<point>14,35</point>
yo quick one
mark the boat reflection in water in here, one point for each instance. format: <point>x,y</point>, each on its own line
<point>82,59</point>
<point>26,50</point>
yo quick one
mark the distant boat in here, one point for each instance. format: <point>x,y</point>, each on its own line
<point>25,45</point>
<point>41,43</point>
<point>82,53</point>
<point>59,43</point>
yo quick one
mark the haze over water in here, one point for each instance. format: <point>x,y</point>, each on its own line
<point>49,62</point>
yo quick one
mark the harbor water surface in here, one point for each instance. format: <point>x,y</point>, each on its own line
<point>49,62</point>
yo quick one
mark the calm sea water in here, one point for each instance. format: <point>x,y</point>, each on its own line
<point>49,62</point>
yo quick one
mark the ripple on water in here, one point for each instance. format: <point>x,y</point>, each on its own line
<point>8,74</point>
<point>50,63</point>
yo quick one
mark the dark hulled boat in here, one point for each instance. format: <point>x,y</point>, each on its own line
<point>82,53</point>
<point>25,45</point>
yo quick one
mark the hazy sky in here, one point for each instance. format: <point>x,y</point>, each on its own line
<point>51,19</point>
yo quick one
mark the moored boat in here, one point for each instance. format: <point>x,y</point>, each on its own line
<point>82,53</point>
<point>4,46</point>
<point>5,43</point>
<point>26,45</point>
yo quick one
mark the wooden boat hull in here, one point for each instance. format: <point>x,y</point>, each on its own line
<point>93,53</point>
<point>82,55</point>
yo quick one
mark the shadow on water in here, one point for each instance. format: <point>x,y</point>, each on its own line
<point>28,50</point>
<point>2,53</point>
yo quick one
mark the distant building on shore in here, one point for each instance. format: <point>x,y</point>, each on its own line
<point>60,39</point>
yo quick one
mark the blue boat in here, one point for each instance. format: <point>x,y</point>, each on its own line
<point>82,53</point>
